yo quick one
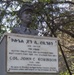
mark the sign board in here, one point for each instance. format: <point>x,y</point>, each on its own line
<point>35,55</point>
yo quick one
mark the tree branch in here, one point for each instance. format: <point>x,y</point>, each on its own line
<point>67,32</point>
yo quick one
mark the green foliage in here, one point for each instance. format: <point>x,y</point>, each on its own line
<point>44,0</point>
<point>64,73</point>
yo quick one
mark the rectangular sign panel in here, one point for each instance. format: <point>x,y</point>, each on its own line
<point>28,54</point>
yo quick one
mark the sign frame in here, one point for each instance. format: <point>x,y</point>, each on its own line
<point>35,37</point>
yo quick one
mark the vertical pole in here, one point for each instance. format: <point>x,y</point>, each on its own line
<point>65,59</point>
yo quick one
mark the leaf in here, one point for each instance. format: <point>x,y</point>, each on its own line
<point>44,0</point>
<point>26,0</point>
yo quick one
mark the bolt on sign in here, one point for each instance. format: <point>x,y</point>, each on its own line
<point>32,54</point>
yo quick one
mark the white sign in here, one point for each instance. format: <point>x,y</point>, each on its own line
<point>28,54</point>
